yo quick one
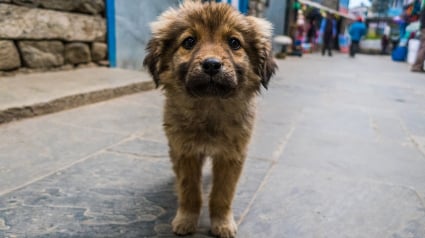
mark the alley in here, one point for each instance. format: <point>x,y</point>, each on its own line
<point>338,151</point>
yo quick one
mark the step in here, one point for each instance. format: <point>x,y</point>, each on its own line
<point>28,95</point>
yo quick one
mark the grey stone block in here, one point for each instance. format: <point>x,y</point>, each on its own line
<point>103,63</point>
<point>96,198</point>
<point>83,6</point>
<point>412,120</point>
<point>347,121</point>
<point>9,56</point>
<point>125,116</point>
<point>33,149</point>
<point>99,51</point>
<point>77,53</point>
<point>144,148</point>
<point>33,23</point>
<point>267,140</point>
<point>254,172</point>
<point>42,54</point>
<point>382,160</point>
<point>314,204</point>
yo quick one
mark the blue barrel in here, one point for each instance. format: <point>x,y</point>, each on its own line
<point>399,53</point>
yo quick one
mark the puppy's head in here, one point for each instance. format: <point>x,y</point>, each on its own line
<point>210,49</point>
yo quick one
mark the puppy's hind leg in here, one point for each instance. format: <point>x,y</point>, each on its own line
<point>188,170</point>
<point>226,172</point>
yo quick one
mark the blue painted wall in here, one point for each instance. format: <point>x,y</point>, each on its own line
<point>111,36</point>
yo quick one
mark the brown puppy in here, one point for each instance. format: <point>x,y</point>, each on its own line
<point>211,61</point>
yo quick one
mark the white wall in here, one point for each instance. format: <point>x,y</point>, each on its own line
<point>132,18</point>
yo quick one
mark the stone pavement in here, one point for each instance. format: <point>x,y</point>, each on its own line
<point>338,151</point>
<point>28,95</point>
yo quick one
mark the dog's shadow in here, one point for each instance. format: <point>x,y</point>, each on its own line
<point>163,196</point>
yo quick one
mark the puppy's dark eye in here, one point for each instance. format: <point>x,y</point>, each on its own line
<point>234,43</point>
<point>189,43</point>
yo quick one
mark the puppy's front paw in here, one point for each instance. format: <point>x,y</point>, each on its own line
<point>185,223</point>
<point>224,227</point>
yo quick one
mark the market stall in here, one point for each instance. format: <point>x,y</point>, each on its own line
<point>408,24</point>
<point>305,24</point>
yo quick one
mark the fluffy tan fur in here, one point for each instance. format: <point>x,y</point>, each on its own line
<point>208,114</point>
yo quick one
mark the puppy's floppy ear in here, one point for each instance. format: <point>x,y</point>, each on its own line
<point>164,32</point>
<point>152,59</point>
<point>267,69</point>
<point>265,66</point>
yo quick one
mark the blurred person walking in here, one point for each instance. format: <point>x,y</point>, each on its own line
<point>311,34</point>
<point>418,66</point>
<point>384,44</point>
<point>357,31</point>
<point>328,33</point>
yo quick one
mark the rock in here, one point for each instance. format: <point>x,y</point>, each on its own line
<point>98,51</point>
<point>103,63</point>
<point>77,53</point>
<point>88,65</point>
<point>67,67</point>
<point>83,6</point>
<point>31,23</point>
<point>9,56</point>
<point>26,3</point>
<point>42,54</point>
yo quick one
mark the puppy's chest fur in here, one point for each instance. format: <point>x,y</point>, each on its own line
<point>209,124</point>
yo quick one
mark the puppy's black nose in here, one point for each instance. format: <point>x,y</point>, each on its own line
<point>211,66</point>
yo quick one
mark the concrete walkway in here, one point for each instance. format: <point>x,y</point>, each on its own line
<point>28,95</point>
<point>338,151</point>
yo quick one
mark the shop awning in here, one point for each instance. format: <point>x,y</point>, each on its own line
<point>326,9</point>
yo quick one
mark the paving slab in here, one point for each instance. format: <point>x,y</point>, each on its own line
<point>338,151</point>
<point>28,95</point>
<point>310,203</point>
<point>110,195</point>
<point>125,115</point>
<point>93,199</point>
<point>32,149</point>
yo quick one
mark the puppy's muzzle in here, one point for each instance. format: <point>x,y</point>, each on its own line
<point>211,81</point>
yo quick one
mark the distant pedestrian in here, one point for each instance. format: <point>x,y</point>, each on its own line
<point>384,44</point>
<point>418,66</point>
<point>311,34</point>
<point>357,31</point>
<point>328,33</point>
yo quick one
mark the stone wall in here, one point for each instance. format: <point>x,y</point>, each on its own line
<point>42,35</point>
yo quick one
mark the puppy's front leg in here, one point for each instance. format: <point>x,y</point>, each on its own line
<point>226,172</point>
<point>188,170</point>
